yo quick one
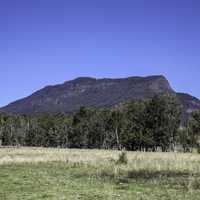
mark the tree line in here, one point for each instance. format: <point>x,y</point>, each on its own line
<point>145,125</point>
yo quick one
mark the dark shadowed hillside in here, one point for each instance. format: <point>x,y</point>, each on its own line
<point>85,91</point>
<point>189,103</point>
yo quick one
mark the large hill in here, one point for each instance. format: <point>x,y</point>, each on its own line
<point>86,91</point>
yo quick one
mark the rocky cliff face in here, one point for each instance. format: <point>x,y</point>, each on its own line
<point>86,91</point>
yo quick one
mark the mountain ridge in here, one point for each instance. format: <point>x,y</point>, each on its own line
<point>92,92</point>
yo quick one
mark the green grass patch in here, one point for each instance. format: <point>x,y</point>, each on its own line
<point>71,181</point>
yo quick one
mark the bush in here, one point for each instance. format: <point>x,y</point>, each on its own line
<point>122,158</point>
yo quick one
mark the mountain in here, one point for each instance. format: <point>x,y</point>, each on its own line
<point>86,91</point>
<point>189,104</point>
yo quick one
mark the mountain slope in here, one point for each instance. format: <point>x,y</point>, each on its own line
<point>189,104</point>
<point>86,91</point>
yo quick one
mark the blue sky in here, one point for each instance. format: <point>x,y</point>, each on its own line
<point>45,42</point>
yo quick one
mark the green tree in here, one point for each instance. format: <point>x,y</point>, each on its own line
<point>194,129</point>
<point>133,137</point>
<point>163,120</point>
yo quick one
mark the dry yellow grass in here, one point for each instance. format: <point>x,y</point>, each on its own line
<point>178,162</point>
<point>48,173</point>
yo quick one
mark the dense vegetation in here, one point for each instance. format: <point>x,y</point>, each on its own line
<point>138,125</point>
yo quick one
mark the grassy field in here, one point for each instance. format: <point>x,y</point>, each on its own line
<point>39,173</point>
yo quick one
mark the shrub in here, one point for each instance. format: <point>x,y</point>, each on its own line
<point>122,158</point>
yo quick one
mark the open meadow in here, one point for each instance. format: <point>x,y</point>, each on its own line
<point>47,173</point>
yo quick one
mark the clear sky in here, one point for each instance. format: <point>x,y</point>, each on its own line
<point>44,42</point>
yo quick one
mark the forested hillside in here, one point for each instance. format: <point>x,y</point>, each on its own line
<point>134,125</point>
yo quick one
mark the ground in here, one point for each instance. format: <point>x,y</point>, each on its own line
<point>56,174</point>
